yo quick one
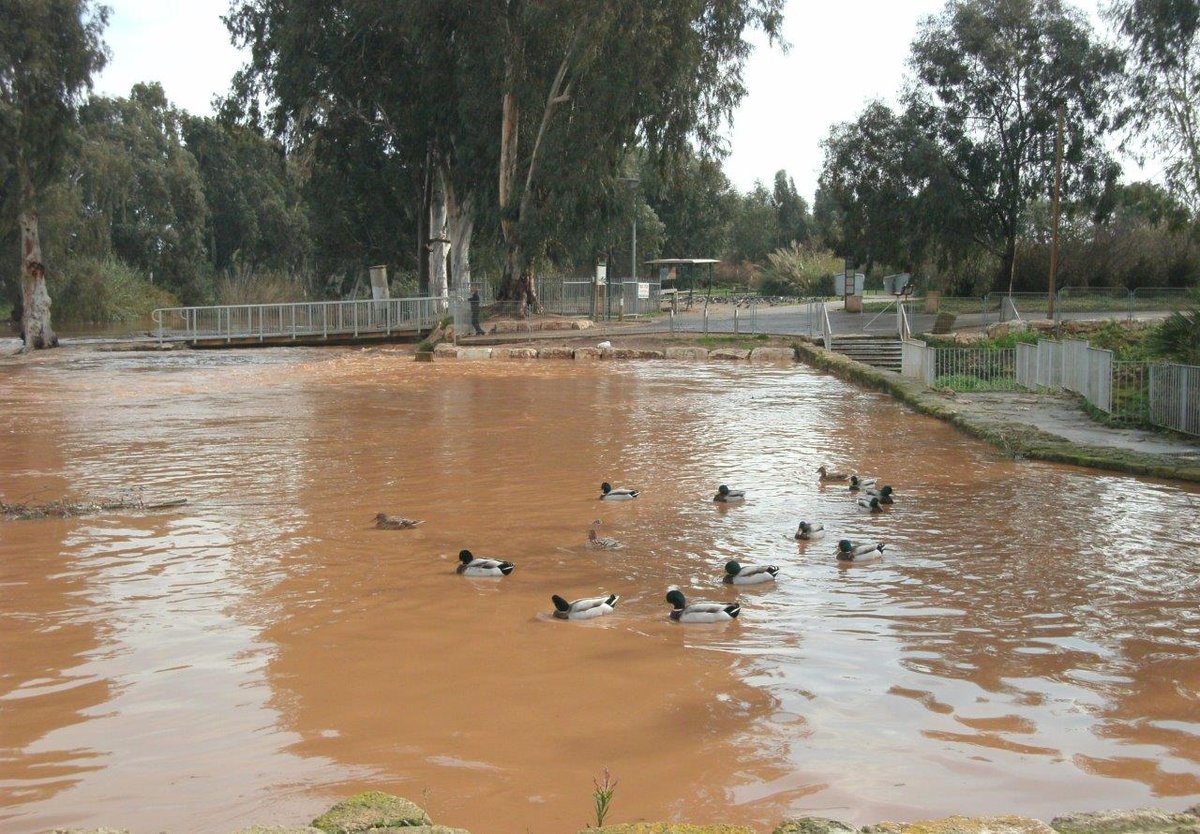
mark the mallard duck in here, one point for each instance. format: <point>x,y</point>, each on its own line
<point>883,493</point>
<point>858,482</point>
<point>587,608</point>
<point>826,475</point>
<point>395,522</point>
<point>736,574</point>
<point>700,612</point>
<point>602,543</point>
<point>725,495</point>
<point>849,551</point>
<point>870,502</point>
<point>607,493</point>
<point>482,567</point>
<point>808,531</point>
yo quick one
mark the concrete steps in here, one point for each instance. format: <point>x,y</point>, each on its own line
<point>877,350</point>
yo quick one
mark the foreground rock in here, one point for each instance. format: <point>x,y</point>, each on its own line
<point>370,811</point>
<point>1140,821</point>
<point>668,828</point>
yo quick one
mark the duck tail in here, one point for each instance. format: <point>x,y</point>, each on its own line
<point>506,568</point>
<point>560,604</point>
<point>612,600</point>
<point>733,610</point>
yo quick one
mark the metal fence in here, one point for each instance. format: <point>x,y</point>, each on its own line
<point>1071,365</point>
<point>960,369</point>
<point>316,319</point>
<point>1174,397</point>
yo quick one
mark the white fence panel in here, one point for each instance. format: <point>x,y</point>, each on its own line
<point>916,360</point>
<point>1175,397</point>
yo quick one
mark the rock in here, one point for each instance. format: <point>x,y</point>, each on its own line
<point>812,825</point>
<point>475,353</point>
<point>556,353</point>
<point>280,829</point>
<point>373,809</point>
<point>1148,820</point>
<point>586,354</point>
<point>668,828</point>
<point>686,353</point>
<point>883,828</point>
<point>514,353</point>
<point>421,829</point>
<point>91,831</point>
<point>773,354</point>
<point>729,353</point>
<point>516,326</point>
<point>632,353</point>
<point>978,825</point>
<point>998,330</point>
<point>446,351</point>
<point>563,324</point>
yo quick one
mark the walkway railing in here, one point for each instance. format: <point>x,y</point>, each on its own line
<point>305,320</point>
<point>1175,397</point>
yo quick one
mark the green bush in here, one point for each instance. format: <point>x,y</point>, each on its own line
<point>799,270</point>
<point>1178,338</point>
<point>91,291</point>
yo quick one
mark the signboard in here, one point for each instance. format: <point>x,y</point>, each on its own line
<point>379,283</point>
<point>601,274</point>
<point>643,289</point>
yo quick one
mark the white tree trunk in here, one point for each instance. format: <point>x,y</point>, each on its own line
<point>35,300</point>
<point>462,226</point>
<point>439,243</point>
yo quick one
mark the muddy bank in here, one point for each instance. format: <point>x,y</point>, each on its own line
<point>379,812</point>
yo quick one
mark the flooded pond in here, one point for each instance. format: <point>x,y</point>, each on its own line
<point>1030,642</point>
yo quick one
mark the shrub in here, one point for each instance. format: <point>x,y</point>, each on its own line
<point>89,290</point>
<point>799,270</point>
<point>1178,337</point>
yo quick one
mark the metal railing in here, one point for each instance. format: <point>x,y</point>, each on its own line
<point>826,327</point>
<point>902,322</point>
<point>1071,365</point>
<point>307,320</point>
<point>1174,401</point>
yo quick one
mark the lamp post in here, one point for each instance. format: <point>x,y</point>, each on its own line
<point>633,183</point>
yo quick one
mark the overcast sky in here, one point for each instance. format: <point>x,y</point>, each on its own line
<point>842,54</point>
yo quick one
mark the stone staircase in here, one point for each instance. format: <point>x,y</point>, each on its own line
<point>877,350</point>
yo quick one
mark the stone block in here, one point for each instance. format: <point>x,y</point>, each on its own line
<point>514,353</point>
<point>373,809</point>
<point>586,354</point>
<point>632,353</point>
<point>446,351</point>
<point>729,353</point>
<point>1139,821</point>
<point>812,825</point>
<point>556,353</point>
<point>475,353</point>
<point>773,354</point>
<point>686,353</point>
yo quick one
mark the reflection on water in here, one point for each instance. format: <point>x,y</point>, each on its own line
<point>1029,643</point>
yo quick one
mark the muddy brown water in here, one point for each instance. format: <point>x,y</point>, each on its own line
<point>1030,643</point>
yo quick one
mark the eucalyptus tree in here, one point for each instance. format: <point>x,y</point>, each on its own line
<point>1162,59</point>
<point>990,79</point>
<point>49,50</point>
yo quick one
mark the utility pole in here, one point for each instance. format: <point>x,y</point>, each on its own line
<point>1058,160</point>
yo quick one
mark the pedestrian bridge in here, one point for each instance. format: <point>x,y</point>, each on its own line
<point>308,322</point>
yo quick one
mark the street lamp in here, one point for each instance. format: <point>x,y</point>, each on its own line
<point>633,183</point>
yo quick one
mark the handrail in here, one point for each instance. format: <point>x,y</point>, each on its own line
<point>826,327</point>
<point>903,326</point>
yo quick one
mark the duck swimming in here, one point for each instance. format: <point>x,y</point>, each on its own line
<point>725,495</point>
<point>857,482</point>
<point>736,574</point>
<point>482,567</point>
<point>608,493</point>
<point>599,542</point>
<point>826,475</point>
<point>808,531</point>
<point>883,493</point>
<point>849,551</point>
<point>587,608</point>
<point>700,612</point>
<point>383,521</point>
<point>870,502</point>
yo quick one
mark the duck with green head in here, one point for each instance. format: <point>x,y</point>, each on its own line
<point>809,530</point>
<point>738,574</point>
<point>725,495</point>
<point>610,493</point>
<point>851,551</point>
<point>870,502</point>
<point>588,608</point>
<point>858,482</point>
<point>883,493</point>
<point>471,566</point>
<point>700,612</point>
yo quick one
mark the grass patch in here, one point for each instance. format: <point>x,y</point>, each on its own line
<point>967,383</point>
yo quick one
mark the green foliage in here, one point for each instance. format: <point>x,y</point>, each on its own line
<point>89,290</point>
<point>967,383</point>
<point>602,796</point>
<point>262,287</point>
<point>799,270</point>
<point>1178,338</point>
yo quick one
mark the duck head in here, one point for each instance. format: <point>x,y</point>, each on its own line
<point>733,568</point>
<point>675,597</point>
<point>887,490</point>
<point>466,557</point>
<point>875,504</point>
<point>605,488</point>
<point>722,490</point>
<point>845,546</point>
<point>805,527</point>
<point>560,604</point>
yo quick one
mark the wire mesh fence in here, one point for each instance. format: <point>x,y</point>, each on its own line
<point>1174,397</point>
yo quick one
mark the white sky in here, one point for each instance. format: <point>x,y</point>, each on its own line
<point>843,54</point>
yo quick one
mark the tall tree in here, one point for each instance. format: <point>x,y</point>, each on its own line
<point>49,50</point>
<point>1162,59</point>
<point>991,76</point>
<point>791,211</point>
